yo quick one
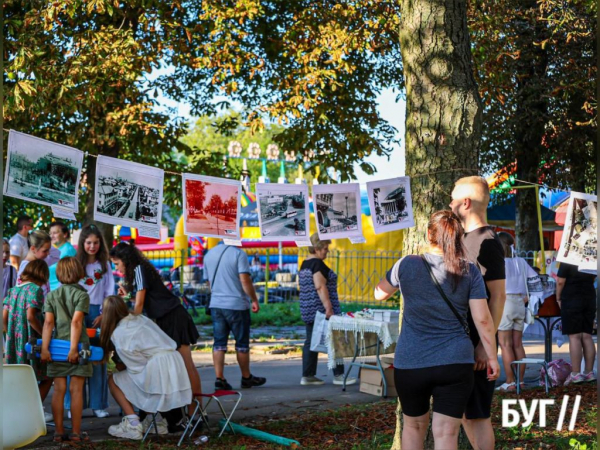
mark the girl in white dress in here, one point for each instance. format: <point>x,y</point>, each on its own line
<point>154,377</point>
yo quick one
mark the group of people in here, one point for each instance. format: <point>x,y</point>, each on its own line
<point>464,289</point>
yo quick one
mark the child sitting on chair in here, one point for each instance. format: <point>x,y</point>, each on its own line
<point>65,310</point>
<point>155,378</point>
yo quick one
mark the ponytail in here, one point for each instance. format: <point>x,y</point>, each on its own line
<point>446,231</point>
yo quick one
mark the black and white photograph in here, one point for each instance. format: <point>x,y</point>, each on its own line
<point>211,206</point>
<point>337,210</point>
<point>390,203</point>
<point>129,194</point>
<point>42,172</point>
<point>283,211</point>
<point>579,243</point>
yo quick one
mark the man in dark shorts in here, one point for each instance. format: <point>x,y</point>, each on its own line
<point>470,199</point>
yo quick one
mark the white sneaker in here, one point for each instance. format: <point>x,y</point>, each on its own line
<point>126,430</point>
<point>101,413</point>
<point>48,417</point>
<point>161,424</point>
<point>314,381</point>
<point>339,380</point>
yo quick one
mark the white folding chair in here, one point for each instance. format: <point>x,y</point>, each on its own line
<point>22,410</point>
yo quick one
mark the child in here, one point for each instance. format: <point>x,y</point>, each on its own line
<point>22,317</point>
<point>39,248</point>
<point>10,273</point>
<point>155,377</point>
<point>99,284</point>
<point>152,297</point>
<point>65,310</point>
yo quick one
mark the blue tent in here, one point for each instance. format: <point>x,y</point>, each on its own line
<point>504,215</point>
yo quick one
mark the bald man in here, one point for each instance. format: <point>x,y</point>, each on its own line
<point>470,198</point>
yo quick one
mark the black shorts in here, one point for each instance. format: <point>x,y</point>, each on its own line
<point>179,326</point>
<point>479,405</point>
<point>450,386</point>
<point>578,314</point>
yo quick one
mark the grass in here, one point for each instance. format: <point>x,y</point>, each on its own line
<point>371,426</point>
<point>284,314</point>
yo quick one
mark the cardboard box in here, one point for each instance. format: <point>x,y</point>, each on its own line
<point>371,382</point>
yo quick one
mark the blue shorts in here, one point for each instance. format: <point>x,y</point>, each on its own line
<point>234,321</point>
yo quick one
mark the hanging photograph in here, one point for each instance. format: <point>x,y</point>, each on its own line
<point>211,206</point>
<point>129,194</point>
<point>337,210</point>
<point>579,244</point>
<point>283,211</point>
<point>391,204</point>
<point>42,172</point>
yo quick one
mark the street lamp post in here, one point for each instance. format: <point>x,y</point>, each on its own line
<point>346,207</point>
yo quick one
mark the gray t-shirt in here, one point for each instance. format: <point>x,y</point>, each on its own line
<point>226,287</point>
<point>431,334</point>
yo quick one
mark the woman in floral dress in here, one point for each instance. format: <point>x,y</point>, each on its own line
<point>22,315</point>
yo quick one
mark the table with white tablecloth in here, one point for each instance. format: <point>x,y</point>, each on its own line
<point>355,337</point>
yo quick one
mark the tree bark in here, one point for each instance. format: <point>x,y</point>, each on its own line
<point>530,120</point>
<point>443,111</point>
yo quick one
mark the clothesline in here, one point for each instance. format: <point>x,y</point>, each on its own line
<point>420,175</point>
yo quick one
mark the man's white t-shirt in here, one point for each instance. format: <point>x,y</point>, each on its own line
<point>19,246</point>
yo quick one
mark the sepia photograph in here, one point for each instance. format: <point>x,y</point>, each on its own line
<point>337,210</point>
<point>128,193</point>
<point>42,172</point>
<point>283,211</point>
<point>391,204</point>
<point>211,206</point>
<point>579,244</point>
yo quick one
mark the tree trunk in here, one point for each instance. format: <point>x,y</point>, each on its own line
<point>105,228</point>
<point>530,123</point>
<point>443,111</point>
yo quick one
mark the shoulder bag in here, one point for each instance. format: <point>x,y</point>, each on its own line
<point>212,282</point>
<point>464,324</point>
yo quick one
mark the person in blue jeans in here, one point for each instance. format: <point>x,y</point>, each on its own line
<point>232,296</point>
<point>99,283</point>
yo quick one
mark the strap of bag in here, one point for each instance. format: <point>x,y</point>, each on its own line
<point>464,324</point>
<point>212,283</point>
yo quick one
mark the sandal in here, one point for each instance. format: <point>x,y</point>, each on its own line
<point>60,437</point>
<point>507,387</point>
<point>83,437</point>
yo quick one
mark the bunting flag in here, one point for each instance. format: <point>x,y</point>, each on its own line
<point>247,198</point>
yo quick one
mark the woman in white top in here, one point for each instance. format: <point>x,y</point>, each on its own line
<point>99,283</point>
<point>155,377</point>
<point>510,331</point>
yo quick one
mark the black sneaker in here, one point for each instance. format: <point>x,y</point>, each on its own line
<point>221,384</point>
<point>253,381</point>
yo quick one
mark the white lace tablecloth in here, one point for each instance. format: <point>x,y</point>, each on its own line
<point>339,327</point>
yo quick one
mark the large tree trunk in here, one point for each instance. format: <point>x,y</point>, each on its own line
<point>530,122</point>
<point>443,110</point>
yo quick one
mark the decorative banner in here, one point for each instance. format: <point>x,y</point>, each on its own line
<point>211,206</point>
<point>579,244</point>
<point>337,210</point>
<point>129,194</point>
<point>391,204</point>
<point>42,172</point>
<point>283,211</point>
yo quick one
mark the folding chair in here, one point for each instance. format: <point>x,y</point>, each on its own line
<point>515,368</point>
<point>204,417</point>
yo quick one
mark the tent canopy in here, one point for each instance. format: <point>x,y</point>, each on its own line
<point>504,215</point>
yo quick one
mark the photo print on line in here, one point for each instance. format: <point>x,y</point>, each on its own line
<point>390,203</point>
<point>337,210</point>
<point>211,206</point>
<point>129,194</point>
<point>283,211</point>
<point>42,172</point>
